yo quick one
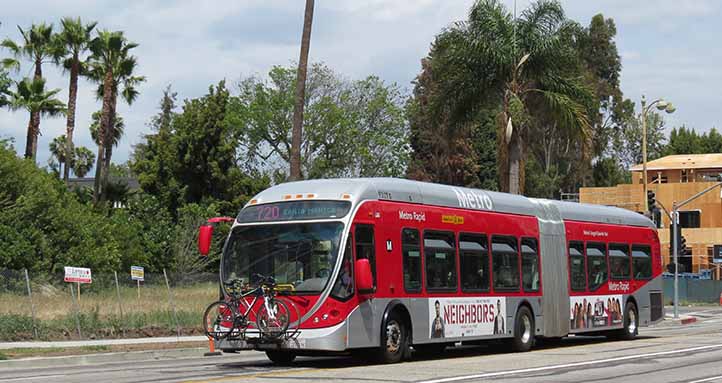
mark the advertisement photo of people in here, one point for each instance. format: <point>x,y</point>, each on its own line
<point>458,317</point>
<point>588,312</point>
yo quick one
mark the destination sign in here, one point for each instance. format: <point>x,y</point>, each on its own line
<point>294,211</point>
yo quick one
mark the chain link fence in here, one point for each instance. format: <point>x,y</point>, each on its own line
<point>44,307</point>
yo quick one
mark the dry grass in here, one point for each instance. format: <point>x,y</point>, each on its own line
<point>54,303</point>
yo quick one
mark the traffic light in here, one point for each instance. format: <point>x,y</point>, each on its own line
<point>651,200</point>
<point>682,248</point>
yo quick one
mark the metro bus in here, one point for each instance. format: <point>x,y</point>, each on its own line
<point>383,265</point>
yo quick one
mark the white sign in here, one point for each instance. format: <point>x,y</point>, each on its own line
<point>473,199</point>
<point>593,311</point>
<point>457,317</point>
<point>137,273</point>
<point>78,274</point>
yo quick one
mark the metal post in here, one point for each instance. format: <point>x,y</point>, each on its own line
<point>120,306</point>
<point>644,152</point>
<point>32,305</point>
<point>170,301</point>
<point>675,241</point>
<point>77,310</point>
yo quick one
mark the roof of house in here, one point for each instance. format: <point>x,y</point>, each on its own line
<point>683,161</point>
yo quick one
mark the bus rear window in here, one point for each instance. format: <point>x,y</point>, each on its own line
<point>294,211</point>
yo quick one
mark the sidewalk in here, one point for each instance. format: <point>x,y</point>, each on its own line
<point>99,342</point>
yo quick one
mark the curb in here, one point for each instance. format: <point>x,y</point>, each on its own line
<point>99,342</point>
<point>102,358</point>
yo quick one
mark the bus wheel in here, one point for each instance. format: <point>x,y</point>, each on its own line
<point>523,330</point>
<point>281,358</point>
<point>394,339</point>
<point>631,323</point>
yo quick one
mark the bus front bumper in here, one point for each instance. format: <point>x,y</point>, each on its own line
<point>323,339</point>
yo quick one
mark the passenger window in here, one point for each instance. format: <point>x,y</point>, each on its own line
<point>440,256</point>
<point>597,263</point>
<point>343,288</point>
<point>619,261</point>
<point>411,253</point>
<point>474,258</point>
<point>505,263</point>
<point>577,266</point>
<point>642,261</point>
<point>365,247</point>
<point>530,264</point>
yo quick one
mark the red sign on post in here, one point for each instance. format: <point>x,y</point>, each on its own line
<point>78,274</point>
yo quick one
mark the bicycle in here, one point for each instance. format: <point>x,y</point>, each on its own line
<point>233,317</point>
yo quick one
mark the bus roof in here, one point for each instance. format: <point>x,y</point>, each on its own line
<point>401,190</point>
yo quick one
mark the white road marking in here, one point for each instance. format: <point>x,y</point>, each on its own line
<point>707,380</point>
<point>568,365</point>
<point>32,377</point>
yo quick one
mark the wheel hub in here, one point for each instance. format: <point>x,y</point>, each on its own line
<point>526,329</point>
<point>632,327</point>
<point>393,337</point>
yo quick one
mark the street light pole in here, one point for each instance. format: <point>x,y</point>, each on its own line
<point>644,153</point>
<point>661,105</point>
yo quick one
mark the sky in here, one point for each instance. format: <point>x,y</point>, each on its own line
<point>669,49</point>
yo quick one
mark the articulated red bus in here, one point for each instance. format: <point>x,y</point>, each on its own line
<point>385,265</point>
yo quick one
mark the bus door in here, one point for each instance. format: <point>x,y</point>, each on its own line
<point>364,323</point>
<point>365,246</point>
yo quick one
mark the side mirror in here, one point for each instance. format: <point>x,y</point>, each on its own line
<point>364,277</point>
<point>205,235</point>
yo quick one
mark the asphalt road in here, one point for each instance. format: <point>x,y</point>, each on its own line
<point>667,353</point>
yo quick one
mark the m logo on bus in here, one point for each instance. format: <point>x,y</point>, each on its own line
<point>473,200</point>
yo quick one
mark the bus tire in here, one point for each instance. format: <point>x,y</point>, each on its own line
<point>631,323</point>
<point>281,358</point>
<point>523,330</point>
<point>394,339</point>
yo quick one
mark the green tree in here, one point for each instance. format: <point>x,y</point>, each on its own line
<point>5,84</point>
<point>351,128</point>
<point>528,65</point>
<point>71,44</point>
<point>37,46</point>
<point>117,132</point>
<point>59,153</point>
<point>629,143</point>
<point>32,96</point>
<point>112,66</point>
<point>42,225</point>
<point>154,159</point>
<point>206,165</point>
<point>684,140</point>
<point>83,161</point>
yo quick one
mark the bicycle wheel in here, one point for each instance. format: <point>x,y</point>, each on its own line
<point>273,324</point>
<point>218,320</point>
<point>295,320</point>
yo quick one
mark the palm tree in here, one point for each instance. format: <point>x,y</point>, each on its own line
<point>72,42</point>
<point>59,152</point>
<point>111,65</point>
<point>32,96</point>
<point>295,171</point>
<point>37,46</point>
<point>83,161</point>
<point>526,64</point>
<point>118,128</point>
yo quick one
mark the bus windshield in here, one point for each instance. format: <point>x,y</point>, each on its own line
<point>301,254</point>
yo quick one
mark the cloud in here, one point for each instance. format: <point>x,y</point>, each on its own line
<point>668,48</point>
